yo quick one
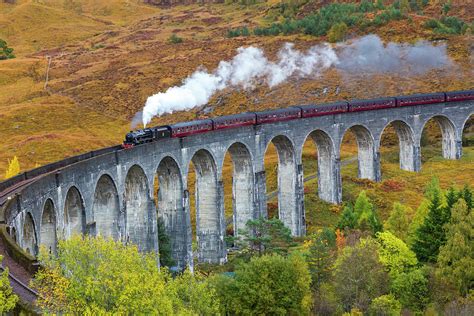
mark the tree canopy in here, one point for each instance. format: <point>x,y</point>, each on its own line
<point>456,257</point>
<point>92,275</point>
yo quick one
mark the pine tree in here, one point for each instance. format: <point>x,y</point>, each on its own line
<point>417,221</point>
<point>348,219</point>
<point>13,168</point>
<point>431,235</point>
<point>456,257</point>
<point>164,245</point>
<point>466,194</point>
<point>320,259</point>
<point>366,217</point>
<point>398,222</point>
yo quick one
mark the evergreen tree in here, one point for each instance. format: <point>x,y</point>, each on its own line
<point>430,235</point>
<point>13,168</point>
<point>456,257</point>
<point>417,221</point>
<point>320,259</point>
<point>366,217</point>
<point>432,188</point>
<point>451,198</point>
<point>164,246</point>
<point>262,236</point>
<point>348,219</point>
<point>466,194</point>
<point>398,222</point>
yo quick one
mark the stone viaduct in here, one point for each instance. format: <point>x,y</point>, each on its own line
<point>112,194</point>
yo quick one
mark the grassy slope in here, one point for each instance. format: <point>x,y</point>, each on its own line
<point>108,58</point>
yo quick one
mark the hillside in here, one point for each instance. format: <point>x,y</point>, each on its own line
<point>107,57</point>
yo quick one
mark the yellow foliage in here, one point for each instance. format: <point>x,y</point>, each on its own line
<point>13,168</point>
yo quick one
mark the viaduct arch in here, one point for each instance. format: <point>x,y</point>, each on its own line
<point>110,192</point>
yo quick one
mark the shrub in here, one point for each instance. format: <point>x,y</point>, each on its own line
<point>337,32</point>
<point>447,25</point>
<point>175,39</point>
<point>238,32</point>
<point>385,305</point>
<point>5,51</point>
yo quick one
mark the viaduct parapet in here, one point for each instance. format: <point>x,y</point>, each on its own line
<point>112,194</point>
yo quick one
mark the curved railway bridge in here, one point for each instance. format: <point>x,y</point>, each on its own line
<point>111,191</point>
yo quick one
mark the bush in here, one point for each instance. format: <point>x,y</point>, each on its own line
<point>238,32</point>
<point>447,25</point>
<point>337,32</point>
<point>175,39</point>
<point>5,51</point>
<point>385,305</point>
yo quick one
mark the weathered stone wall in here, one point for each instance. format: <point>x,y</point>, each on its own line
<point>112,194</point>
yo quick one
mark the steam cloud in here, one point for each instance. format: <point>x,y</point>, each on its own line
<point>367,54</point>
<point>248,66</point>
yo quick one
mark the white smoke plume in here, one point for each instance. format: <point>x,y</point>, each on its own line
<point>367,54</point>
<point>244,70</point>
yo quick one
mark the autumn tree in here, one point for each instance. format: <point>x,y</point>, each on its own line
<point>398,221</point>
<point>92,275</point>
<point>412,289</point>
<point>359,277</point>
<point>366,217</point>
<point>13,168</point>
<point>8,299</point>
<point>321,258</point>
<point>362,216</point>
<point>409,283</point>
<point>456,257</point>
<point>267,285</point>
<point>394,254</point>
<point>386,305</point>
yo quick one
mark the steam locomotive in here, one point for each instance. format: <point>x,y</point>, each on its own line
<point>296,112</point>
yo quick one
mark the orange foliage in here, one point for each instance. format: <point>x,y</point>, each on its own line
<point>340,240</point>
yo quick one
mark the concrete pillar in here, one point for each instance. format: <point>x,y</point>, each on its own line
<point>300,220</point>
<point>458,149</point>
<point>189,258</point>
<point>260,195</point>
<point>152,240</point>
<point>377,168</point>
<point>337,179</point>
<point>416,159</point>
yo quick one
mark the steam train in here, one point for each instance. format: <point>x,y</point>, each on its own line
<point>296,112</point>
